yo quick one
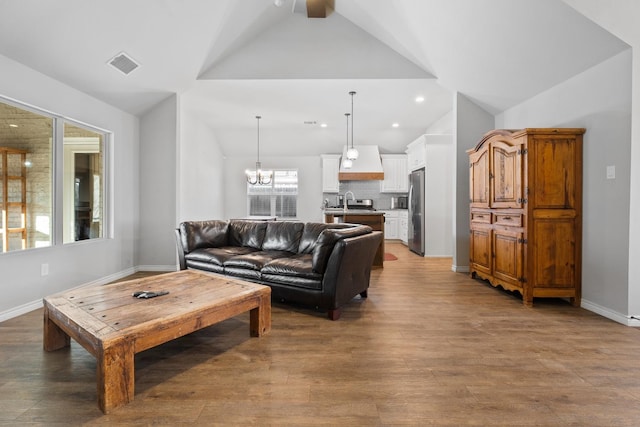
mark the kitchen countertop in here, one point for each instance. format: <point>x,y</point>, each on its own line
<point>342,212</point>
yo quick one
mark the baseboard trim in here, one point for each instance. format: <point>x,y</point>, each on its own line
<point>166,268</point>
<point>633,321</point>
<point>20,310</point>
<point>34,305</point>
<point>459,268</point>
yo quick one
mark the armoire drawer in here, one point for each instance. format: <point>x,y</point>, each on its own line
<point>507,219</point>
<point>481,217</point>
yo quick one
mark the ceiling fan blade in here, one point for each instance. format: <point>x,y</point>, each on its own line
<point>316,9</point>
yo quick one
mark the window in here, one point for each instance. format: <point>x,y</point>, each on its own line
<point>30,140</point>
<point>277,199</point>
<point>82,189</point>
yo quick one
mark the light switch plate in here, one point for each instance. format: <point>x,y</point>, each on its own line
<point>611,172</point>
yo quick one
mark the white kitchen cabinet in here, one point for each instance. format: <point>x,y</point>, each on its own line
<point>330,171</point>
<point>416,154</point>
<point>391,225</point>
<point>403,226</point>
<point>396,176</point>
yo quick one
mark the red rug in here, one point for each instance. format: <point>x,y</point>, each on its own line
<point>389,257</point>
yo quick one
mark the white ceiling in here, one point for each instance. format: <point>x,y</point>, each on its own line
<point>233,59</point>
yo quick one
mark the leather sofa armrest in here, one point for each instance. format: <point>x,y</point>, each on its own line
<point>324,245</point>
<point>182,265</point>
<point>349,268</point>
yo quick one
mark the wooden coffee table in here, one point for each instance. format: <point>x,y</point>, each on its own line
<point>113,325</point>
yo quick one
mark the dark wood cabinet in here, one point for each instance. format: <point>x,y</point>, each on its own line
<point>526,211</point>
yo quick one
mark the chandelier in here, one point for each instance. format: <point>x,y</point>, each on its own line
<point>258,176</point>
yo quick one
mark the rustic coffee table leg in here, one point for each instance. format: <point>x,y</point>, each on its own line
<point>260,317</point>
<point>115,375</point>
<point>54,338</point>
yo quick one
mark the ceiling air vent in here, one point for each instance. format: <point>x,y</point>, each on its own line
<point>123,63</point>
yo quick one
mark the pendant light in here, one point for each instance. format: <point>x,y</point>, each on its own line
<point>347,162</point>
<point>258,177</point>
<point>352,153</point>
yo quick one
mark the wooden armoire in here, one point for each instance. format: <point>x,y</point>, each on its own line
<point>526,211</point>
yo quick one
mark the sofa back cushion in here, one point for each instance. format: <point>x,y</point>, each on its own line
<point>311,232</point>
<point>326,241</point>
<point>247,233</point>
<point>203,234</point>
<point>282,236</point>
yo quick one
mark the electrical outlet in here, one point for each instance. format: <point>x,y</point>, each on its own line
<point>44,269</point>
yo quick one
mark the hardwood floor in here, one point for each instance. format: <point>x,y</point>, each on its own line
<point>428,347</point>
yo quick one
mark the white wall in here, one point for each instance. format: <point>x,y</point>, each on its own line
<point>201,179</point>
<point>438,213</point>
<point>99,260</point>
<point>158,178</point>
<point>621,19</point>
<point>471,123</point>
<point>599,100</point>
<point>442,126</point>
<point>439,188</point>
<point>309,184</point>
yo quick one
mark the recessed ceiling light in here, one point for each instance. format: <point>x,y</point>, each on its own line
<point>395,125</point>
<point>323,125</point>
<point>13,125</point>
<point>419,99</point>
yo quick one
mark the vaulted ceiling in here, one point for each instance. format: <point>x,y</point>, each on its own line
<point>230,60</point>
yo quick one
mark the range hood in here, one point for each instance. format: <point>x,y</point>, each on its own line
<point>368,166</point>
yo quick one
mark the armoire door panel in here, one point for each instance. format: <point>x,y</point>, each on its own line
<point>554,173</point>
<point>506,175</point>
<point>507,256</point>
<point>554,253</point>
<point>480,249</point>
<point>479,179</point>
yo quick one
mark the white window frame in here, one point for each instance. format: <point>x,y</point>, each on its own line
<point>58,179</point>
<point>273,194</point>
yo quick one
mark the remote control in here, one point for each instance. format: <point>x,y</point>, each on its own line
<point>149,294</point>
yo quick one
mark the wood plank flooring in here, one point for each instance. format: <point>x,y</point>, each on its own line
<point>428,347</point>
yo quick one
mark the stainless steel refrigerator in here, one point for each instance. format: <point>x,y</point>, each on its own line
<point>416,212</point>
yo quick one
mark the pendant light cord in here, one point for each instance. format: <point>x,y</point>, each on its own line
<point>258,117</point>
<point>352,93</point>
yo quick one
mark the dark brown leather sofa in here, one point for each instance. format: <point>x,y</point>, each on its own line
<point>316,264</point>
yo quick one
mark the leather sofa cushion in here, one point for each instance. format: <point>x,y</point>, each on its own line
<point>203,234</point>
<point>298,282</point>
<point>255,260</point>
<point>295,265</point>
<point>282,236</point>
<point>311,232</point>
<point>247,233</point>
<point>327,240</point>
<point>243,273</point>
<point>217,256</point>
<point>206,266</point>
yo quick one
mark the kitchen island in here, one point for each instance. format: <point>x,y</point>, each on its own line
<point>373,219</point>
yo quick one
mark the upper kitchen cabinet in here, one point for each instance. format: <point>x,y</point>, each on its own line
<point>330,171</point>
<point>395,173</point>
<point>416,153</point>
